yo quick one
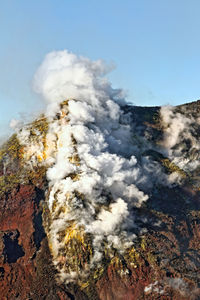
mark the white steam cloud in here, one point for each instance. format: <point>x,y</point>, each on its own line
<point>95,179</point>
<point>180,143</point>
<point>64,75</point>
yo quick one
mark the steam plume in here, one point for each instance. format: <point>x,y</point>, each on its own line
<point>180,141</point>
<point>95,178</point>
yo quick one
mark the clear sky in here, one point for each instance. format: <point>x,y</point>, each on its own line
<point>155,45</point>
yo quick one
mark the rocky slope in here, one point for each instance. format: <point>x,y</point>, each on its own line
<point>163,262</point>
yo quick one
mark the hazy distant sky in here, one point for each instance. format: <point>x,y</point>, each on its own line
<point>155,45</point>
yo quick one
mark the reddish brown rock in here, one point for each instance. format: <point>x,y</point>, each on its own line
<point>165,263</point>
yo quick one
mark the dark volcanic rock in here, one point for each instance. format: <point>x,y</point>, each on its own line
<point>163,264</point>
<point>12,250</point>
<point>26,270</point>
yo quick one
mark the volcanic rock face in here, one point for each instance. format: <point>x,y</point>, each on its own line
<point>46,255</point>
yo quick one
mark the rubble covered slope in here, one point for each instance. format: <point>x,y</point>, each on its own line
<point>59,238</point>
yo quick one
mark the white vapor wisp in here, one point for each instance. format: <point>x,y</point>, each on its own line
<point>95,179</point>
<point>180,142</point>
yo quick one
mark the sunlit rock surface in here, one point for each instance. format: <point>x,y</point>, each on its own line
<point>163,261</point>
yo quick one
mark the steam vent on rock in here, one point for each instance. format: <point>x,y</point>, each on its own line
<point>99,205</point>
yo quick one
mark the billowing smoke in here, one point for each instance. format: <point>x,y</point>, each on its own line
<point>95,178</point>
<point>175,124</point>
<point>64,75</point>
<point>180,142</point>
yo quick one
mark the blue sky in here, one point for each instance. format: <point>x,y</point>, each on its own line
<point>155,45</point>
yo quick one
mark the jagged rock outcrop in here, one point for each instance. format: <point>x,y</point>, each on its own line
<point>164,260</point>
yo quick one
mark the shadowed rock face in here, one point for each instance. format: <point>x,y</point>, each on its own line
<point>12,250</point>
<point>163,263</point>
